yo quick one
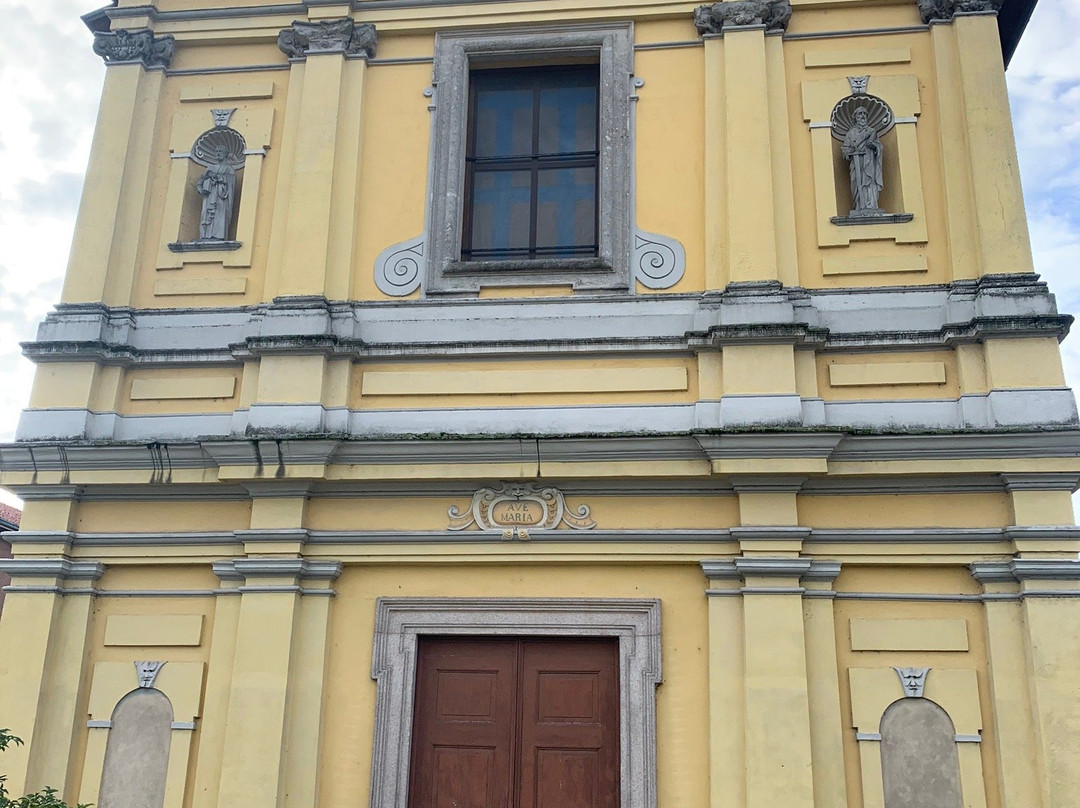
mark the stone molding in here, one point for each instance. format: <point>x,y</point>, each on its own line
<point>400,621</point>
<point>127,47</point>
<point>344,36</point>
<point>738,569</point>
<point>717,18</point>
<point>946,10</point>
<point>834,446</point>
<point>1019,570</point>
<point>265,575</point>
<point>896,318</point>
<point>60,569</point>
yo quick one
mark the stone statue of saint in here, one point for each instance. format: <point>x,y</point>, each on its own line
<point>217,186</point>
<point>863,150</point>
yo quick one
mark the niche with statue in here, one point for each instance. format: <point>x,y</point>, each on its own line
<point>212,195</point>
<point>865,156</point>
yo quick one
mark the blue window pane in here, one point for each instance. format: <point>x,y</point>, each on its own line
<point>504,120</point>
<point>568,119</point>
<point>566,210</point>
<point>501,208</point>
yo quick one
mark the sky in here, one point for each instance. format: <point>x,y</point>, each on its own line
<point>51,82</point>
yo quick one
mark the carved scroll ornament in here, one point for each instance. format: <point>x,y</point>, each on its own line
<point>122,45</point>
<point>328,36</point>
<point>515,509</point>
<point>713,19</point>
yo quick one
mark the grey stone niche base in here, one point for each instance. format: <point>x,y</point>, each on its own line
<point>203,246</point>
<point>882,218</point>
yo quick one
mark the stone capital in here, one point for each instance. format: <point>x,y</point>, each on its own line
<point>122,46</point>
<point>328,36</point>
<point>945,10</point>
<point>717,17</point>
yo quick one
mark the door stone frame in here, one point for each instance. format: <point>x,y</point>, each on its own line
<point>399,622</point>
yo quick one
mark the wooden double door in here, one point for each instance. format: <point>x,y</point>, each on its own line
<point>516,723</point>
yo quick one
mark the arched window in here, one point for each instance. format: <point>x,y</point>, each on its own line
<point>137,753</point>
<point>919,764</point>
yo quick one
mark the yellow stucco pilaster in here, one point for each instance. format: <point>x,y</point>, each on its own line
<point>716,225</point>
<point>1021,766</point>
<point>319,224</point>
<point>777,690</point>
<point>1052,648</point>
<point>956,169</point>
<point>105,248</point>
<point>751,222</point>
<point>727,745</point>
<point>823,687</point>
<point>47,617</point>
<point>998,199</point>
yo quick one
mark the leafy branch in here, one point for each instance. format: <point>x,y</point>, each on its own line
<point>46,798</point>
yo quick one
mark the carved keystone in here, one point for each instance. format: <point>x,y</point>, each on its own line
<point>713,19</point>
<point>913,680</point>
<point>328,36</point>
<point>148,672</point>
<point>134,46</point>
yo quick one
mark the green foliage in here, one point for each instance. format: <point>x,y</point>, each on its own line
<point>46,798</point>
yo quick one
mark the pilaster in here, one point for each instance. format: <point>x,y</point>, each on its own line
<point>1021,764</point>
<point>760,680</point>
<point>329,62</point>
<point>107,243</point>
<point>1048,592</point>
<point>271,745</point>
<point>47,617</point>
<point>1004,245</point>
<point>751,225</point>
<point>716,220</point>
<point>823,685</point>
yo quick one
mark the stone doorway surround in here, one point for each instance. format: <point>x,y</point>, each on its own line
<point>400,621</point>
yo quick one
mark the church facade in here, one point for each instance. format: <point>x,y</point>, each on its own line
<point>548,404</point>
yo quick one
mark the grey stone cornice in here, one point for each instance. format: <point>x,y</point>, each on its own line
<point>272,455</point>
<point>805,569</point>
<point>1045,481</point>
<point>882,318</point>
<point>790,444</point>
<point>1025,569</point>
<point>63,569</point>
<point>852,537</point>
<point>273,536</point>
<point>752,533</point>
<point>299,569</point>
<point>1042,533</point>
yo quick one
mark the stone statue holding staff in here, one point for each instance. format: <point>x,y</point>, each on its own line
<point>863,150</point>
<point>217,186</point>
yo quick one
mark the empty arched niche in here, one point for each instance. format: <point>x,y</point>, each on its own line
<point>919,764</point>
<point>137,753</point>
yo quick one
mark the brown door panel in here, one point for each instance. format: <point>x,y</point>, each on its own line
<point>516,723</point>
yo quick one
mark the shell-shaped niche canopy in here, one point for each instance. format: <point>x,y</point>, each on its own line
<point>878,114</point>
<point>208,147</point>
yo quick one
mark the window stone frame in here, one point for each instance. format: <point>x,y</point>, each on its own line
<point>455,54</point>
<point>400,622</point>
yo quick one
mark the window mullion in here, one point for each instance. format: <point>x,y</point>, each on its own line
<point>535,190</point>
